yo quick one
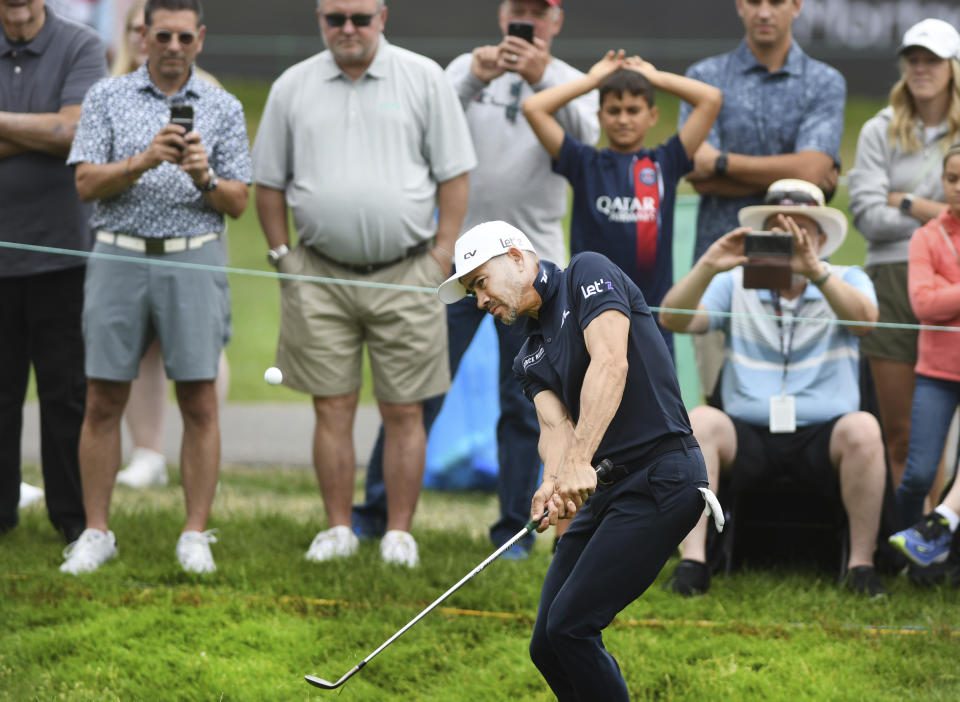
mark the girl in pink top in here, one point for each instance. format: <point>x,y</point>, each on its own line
<point>934,283</point>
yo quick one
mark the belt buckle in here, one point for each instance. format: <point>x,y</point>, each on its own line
<point>154,246</point>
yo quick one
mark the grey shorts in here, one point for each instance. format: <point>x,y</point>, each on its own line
<point>127,304</point>
<point>893,301</point>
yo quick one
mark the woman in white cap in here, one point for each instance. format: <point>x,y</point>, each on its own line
<point>895,188</point>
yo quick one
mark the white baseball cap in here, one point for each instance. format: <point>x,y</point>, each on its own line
<point>477,246</point>
<point>935,35</point>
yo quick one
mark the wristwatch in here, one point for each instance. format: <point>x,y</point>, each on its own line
<point>274,255</point>
<point>906,204</point>
<point>211,183</point>
<point>720,165</point>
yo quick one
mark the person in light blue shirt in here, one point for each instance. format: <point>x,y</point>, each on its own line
<point>789,385</point>
<point>782,117</point>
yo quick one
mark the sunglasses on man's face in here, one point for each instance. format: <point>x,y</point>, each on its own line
<point>164,36</point>
<point>338,19</point>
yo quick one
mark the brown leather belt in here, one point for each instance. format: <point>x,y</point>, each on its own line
<point>367,268</point>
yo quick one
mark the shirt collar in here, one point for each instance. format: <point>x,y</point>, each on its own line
<point>39,43</point>
<point>378,68</point>
<point>189,90</point>
<point>547,283</point>
<point>748,62</point>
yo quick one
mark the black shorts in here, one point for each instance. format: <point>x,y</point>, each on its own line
<point>803,456</point>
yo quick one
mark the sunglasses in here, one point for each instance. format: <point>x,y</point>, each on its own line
<point>164,36</point>
<point>790,197</point>
<point>338,19</point>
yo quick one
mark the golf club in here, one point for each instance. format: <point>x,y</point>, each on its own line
<point>603,471</point>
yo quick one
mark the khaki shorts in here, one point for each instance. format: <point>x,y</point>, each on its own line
<point>890,283</point>
<point>324,326</point>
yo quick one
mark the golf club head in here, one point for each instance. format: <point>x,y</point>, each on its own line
<point>321,683</point>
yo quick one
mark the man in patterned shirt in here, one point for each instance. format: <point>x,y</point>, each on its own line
<point>160,193</point>
<point>782,117</point>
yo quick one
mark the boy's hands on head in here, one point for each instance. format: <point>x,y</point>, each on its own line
<point>611,62</point>
<point>486,63</point>
<point>527,60</point>
<point>644,68</point>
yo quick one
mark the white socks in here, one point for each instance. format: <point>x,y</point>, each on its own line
<point>952,517</point>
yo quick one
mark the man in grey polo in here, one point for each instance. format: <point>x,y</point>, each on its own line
<point>161,192</point>
<point>363,142</point>
<point>46,67</point>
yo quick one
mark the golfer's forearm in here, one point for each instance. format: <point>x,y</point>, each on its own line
<point>600,398</point>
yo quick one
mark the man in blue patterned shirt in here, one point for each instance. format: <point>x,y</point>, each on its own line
<point>782,117</point>
<point>160,191</point>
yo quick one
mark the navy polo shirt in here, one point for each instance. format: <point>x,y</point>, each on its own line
<point>554,357</point>
<point>610,204</point>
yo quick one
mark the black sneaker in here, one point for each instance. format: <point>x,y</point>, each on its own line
<point>864,580</point>
<point>689,578</point>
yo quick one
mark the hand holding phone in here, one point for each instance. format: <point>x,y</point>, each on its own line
<point>524,30</point>
<point>183,115</point>
<point>768,260</point>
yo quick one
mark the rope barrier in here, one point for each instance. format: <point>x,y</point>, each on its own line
<point>426,290</point>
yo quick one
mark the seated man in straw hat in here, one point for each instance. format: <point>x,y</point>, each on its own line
<point>789,388</point>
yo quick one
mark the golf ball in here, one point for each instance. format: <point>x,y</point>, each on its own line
<point>273,375</point>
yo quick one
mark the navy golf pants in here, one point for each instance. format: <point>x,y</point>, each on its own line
<point>612,552</point>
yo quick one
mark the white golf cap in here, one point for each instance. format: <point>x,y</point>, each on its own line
<point>793,196</point>
<point>477,246</point>
<point>935,35</point>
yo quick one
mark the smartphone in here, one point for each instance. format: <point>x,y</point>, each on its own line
<point>768,260</point>
<point>524,30</point>
<point>183,115</point>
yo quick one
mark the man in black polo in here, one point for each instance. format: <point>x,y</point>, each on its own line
<point>603,383</point>
<point>46,67</point>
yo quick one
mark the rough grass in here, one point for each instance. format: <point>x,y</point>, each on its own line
<point>141,629</point>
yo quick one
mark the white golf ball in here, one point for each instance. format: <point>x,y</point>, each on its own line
<point>273,375</point>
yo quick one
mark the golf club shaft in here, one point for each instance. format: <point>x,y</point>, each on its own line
<point>602,469</point>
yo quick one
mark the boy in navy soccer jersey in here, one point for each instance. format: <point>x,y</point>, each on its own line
<point>623,196</point>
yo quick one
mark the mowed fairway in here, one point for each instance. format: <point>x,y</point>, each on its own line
<point>141,629</point>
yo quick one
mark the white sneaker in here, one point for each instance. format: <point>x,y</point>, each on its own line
<point>193,551</point>
<point>89,552</point>
<point>29,495</point>
<point>146,469</point>
<point>398,547</point>
<point>336,542</point>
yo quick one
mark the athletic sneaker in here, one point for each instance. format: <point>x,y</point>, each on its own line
<point>336,542</point>
<point>399,548</point>
<point>146,469</point>
<point>927,541</point>
<point>864,580</point>
<point>89,552</point>
<point>29,495</point>
<point>193,551</point>
<point>690,578</point>
<point>517,552</point>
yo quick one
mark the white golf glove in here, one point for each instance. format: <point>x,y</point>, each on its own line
<point>713,507</point>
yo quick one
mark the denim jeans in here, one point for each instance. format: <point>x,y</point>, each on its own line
<point>934,402</point>
<point>517,435</point>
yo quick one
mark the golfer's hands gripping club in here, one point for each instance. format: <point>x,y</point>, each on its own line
<point>560,496</point>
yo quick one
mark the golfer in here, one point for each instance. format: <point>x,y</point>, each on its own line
<point>604,386</point>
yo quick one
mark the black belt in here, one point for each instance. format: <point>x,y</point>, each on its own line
<point>367,268</point>
<point>665,445</point>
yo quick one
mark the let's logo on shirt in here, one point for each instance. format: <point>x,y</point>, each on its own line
<point>627,209</point>
<point>595,288</point>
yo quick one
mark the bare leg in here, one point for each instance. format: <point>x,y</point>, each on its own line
<point>952,498</point>
<point>718,442</point>
<point>404,456</point>
<point>856,450</point>
<point>223,379</point>
<point>200,453</point>
<point>148,401</point>
<point>100,447</point>
<point>333,454</point>
<point>894,384</point>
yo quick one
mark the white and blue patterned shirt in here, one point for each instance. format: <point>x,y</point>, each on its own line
<point>120,118</point>
<point>798,108</point>
<point>823,374</point>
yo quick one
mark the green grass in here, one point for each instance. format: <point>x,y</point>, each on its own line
<point>141,629</point>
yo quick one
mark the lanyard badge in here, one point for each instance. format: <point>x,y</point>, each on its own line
<point>783,407</point>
